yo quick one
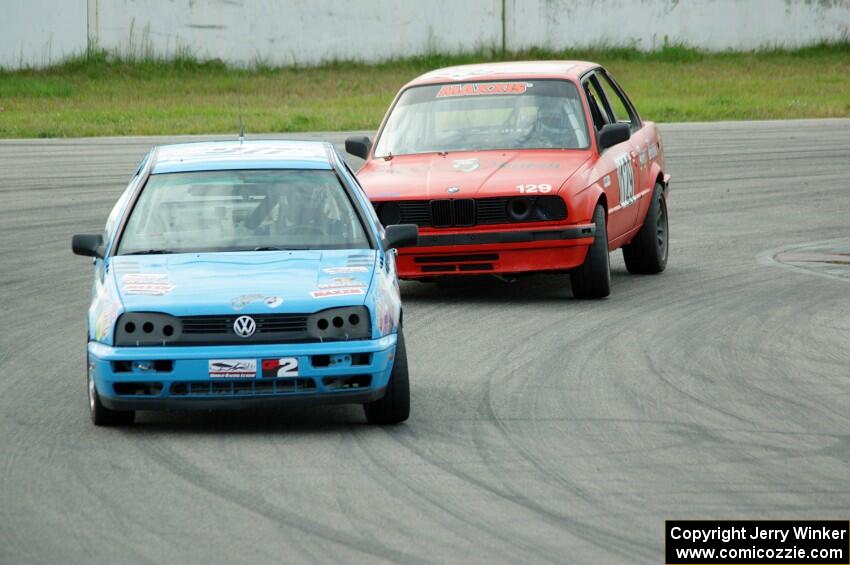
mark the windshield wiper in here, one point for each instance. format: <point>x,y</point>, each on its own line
<point>259,248</point>
<point>150,252</point>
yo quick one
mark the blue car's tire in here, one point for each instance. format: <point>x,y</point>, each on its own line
<point>100,414</point>
<point>394,407</point>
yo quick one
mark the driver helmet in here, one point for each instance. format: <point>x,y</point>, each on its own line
<point>551,117</point>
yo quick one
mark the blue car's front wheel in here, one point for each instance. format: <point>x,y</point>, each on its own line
<point>100,414</point>
<point>394,407</point>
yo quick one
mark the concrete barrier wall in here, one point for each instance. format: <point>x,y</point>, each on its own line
<point>40,32</point>
<point>299,31</point>
<point>710,24</point>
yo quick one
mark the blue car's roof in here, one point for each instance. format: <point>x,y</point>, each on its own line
<point>221,155</point>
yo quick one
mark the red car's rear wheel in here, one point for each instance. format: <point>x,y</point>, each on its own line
<point>647,252</point>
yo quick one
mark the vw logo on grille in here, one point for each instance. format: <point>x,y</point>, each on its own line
<point>244,326</point>
<point>452,190</point>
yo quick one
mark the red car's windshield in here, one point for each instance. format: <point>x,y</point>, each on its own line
<point>539,114</point>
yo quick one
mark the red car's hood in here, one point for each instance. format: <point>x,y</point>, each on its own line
<point>474,173</point>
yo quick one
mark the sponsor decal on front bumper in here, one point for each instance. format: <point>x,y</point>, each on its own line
<point>232,368</point>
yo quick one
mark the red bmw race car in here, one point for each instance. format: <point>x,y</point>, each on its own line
<point>513,168</point>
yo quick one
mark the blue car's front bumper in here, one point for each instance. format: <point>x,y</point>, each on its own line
<point>155,378</point>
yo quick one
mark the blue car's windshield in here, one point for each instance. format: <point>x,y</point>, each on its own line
<point>242,210</point>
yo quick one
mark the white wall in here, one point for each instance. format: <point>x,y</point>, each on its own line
<point>710,24</point>
<point>299,31</point>
<point>39,32</point>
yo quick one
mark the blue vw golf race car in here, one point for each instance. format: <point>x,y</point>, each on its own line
<point>235,274</point>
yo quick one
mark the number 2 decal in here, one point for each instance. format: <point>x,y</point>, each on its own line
<point>288,367</point>
<point>283,367</point>
<point>533,188</point>
<point>626,177</point>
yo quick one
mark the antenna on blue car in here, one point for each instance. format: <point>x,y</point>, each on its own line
<point>239,102</point>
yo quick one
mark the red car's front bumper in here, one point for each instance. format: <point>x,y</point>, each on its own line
<point>476,252</point>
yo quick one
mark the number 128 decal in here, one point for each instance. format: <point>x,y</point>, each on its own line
<point>533,188</point>
<point>626,177</point>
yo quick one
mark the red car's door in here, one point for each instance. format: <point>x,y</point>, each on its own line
<point>618,164</point>
<point>642,137</point>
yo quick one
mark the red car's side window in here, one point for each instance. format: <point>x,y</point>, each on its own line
<point>620,107</point>
<point>596,101</point>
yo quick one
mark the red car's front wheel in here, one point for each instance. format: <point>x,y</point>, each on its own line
<point>593,278</point>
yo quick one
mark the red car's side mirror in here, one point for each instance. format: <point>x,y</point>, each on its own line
<point>359,146</point>
<point>612,134</point>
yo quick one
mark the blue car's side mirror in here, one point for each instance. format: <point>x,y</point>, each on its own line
<point>88,245</point>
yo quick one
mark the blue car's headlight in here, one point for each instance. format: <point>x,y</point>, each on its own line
<point>147,328</point>
<point>350,322</point>
<point>155,328</point>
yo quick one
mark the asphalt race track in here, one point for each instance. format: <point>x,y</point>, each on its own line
<point>543,428</point>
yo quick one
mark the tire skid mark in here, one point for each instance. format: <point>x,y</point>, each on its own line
<point>752,309</point>
<point>712,327</point>
<point>626,545</point>
<point>424,493</point>
<point>490,413</point>
<point>346,450</point>
<point>599,537</point>
<point>180,466</point>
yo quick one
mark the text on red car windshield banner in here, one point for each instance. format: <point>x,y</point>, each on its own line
<point>481,89</point>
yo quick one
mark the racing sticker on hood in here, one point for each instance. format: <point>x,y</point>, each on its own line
<point>360,260</point>
<point>107,313</point>
<point>465,165</point>
<point>240,302</point>
<point>387,304</point>
<point>152,284</point>
<point>345,270</point>
<point>330,292</point>
<point>341,282</point>
<point>482,89</point>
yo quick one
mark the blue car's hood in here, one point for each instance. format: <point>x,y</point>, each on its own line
<point>246,282</point>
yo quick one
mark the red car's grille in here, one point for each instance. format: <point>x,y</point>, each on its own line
<point>466,212</point>
<point>441,213</point>
<point>468,262</point>
<point>447,213</point>
<point>493,211</point>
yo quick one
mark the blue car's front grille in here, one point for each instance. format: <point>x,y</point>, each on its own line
<point>242,387</point>
<point>261,387</point>
<point>269,323</point>
<point>218,330</point>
